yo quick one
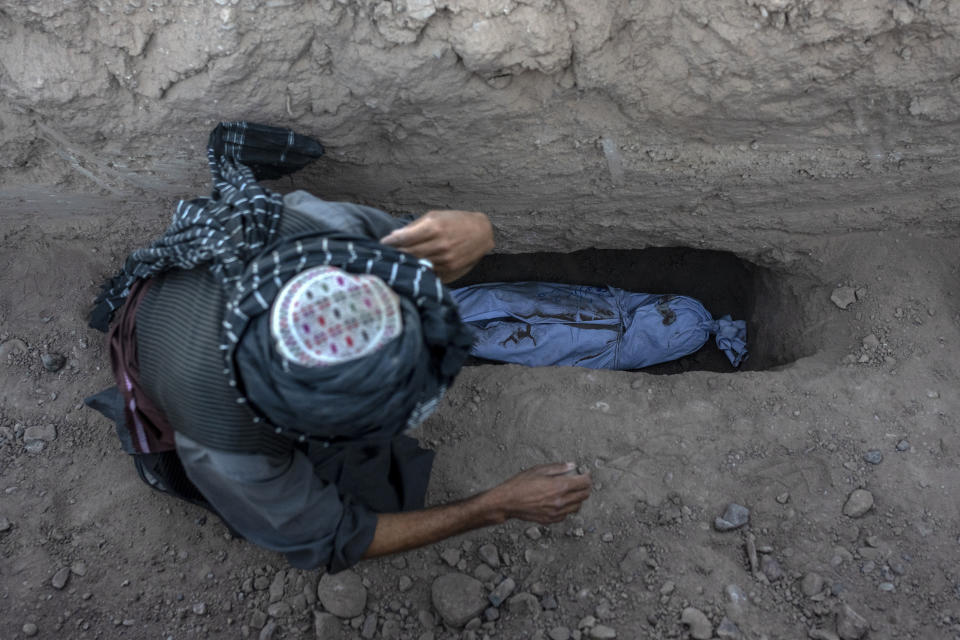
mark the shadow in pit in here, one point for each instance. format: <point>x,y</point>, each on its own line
<point>772,303</point>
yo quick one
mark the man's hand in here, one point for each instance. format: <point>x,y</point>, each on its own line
<point>547,493</point>
<point>454,241</point>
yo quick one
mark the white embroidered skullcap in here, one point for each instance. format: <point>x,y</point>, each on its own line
<point>326,316</point>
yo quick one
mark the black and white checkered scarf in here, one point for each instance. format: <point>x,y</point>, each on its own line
<point>231,226</point>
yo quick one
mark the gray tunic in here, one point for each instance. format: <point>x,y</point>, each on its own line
<point>318,507</point>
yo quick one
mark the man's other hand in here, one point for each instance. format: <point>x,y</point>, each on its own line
<point>454,241</point>
<point>545,494</point>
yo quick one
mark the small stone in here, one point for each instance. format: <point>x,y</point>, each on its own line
<point>46,433</point>
<point>36,446</point>
<point>698,623</point>
<point>491,614</point>
<point>490,555</point>
<point>850,624</point>
<point>258,618</point>
<point>326,626</point>
<point>602,632</point>
<point>734,517</point>
<point>53,361</point>
<point>634,561</point>
<point>299,602</point>
<point>933,395</point>
<point>390,630</point>
<point>78,568</point>
<point>602,611</point>
<point>199,608</point>
<point>404,583</point>
<point>843,297</point>
<point>279,610</point>
<point>727,629</point>
<point>874,456</point>
<point>502,592</point>
<point>771,568</point>
<point>277,587</point>
<point>5,524</point>
<point>751,544</point>
<point>783,498</point>
<point>606,537</point>
<point>524,604</point>
<point>822,634</point>
<point>451,556</point>
<point>812,584</point>
<point>858,504</point>
<point>59,580</point>
<point>342,594</point>
<point>667,588</point>
<point>559,633</point>
<point>30,629</point>
<point>533,532</point>
<point>12,346</point>
<point>458,598</point>
<point>870,342</point>
<point>368,629</point>
<point>887,586</point>
<point>268,630</point>
<point>735,596</point>
<point>586,622</point>
<point>840,555</point>
<point>260,583</point>
<point>426,619</point>
<point>903,445</point>
<point>484,573</point>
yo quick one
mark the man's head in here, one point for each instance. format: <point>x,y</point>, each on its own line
<point>332,339</point>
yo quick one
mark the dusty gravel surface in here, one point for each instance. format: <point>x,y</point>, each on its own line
<point>812,143</point>
<point>88,551</point>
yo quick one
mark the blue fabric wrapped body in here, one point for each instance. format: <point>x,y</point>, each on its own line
<point>542,324</point>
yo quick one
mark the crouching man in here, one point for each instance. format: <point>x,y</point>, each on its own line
<point>272,353</point>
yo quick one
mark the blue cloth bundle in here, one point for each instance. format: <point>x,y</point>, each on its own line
<point>543,324</point>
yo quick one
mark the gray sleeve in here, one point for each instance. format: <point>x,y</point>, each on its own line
<point>281,505</point>
<point>343,216</point>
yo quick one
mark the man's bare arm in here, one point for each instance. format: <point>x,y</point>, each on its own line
<point>543,494</point>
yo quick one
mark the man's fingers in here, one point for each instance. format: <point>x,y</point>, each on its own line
<point>414,233</point>
<point>431,249</point>
<point>579,483</point>
<point>556,468</point>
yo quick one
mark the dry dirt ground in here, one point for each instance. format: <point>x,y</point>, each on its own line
<point>667,452</point>
<point>812,143</point>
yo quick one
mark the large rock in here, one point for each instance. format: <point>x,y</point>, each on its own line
<point>458,598</point>
<point>342,594</point>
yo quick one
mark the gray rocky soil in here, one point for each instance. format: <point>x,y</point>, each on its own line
<point>812,494</point>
